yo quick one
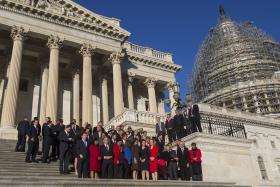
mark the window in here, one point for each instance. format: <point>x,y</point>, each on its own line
<point>23,85</point>
<point>273,144</point>
<point>262,168</point>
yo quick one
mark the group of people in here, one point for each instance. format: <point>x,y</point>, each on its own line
<point>117,153</point>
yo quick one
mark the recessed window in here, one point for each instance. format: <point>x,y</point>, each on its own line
<point>262,168</point>
<point>23,85</point>
<point>273,145</point>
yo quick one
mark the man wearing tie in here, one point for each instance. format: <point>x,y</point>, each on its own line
<point>160,128</point>
<point>183,161</point>
<point>83,156</point>
<point>194,116</point>
<point>64,148</point>
<point>47,141</point>
<point>33,142</point>
<point>107,159</point>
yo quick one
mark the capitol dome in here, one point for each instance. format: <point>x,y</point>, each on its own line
<point>236,67</point>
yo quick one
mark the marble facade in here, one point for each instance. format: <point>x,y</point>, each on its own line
<point>61,60</point>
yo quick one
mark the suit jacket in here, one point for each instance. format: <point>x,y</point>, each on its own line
<point>23,127</point>
<point>160,126</point>
<point>56,129</point>
<point>183,156</point>
<point>82,149</point>
<point>105,152</point>
<point>48,135</point>
<point>34,133</point>
<point>169,124</point>
<point>64,142</point>
<point>95,130</point>
<point>179,121</point>
<point>194,111</point>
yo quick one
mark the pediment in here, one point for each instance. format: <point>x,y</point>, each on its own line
<point>69,13</point>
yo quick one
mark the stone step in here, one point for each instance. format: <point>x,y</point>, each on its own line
<point>110,183</point>
<point>15,172</point>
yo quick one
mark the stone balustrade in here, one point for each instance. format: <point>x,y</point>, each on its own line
<point>148,52</point>
<point>133,116</point>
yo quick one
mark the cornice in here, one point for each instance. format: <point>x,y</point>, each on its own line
<point>67,13</point>
<point>152,62</point>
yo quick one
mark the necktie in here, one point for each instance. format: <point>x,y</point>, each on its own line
<point>85,142</point>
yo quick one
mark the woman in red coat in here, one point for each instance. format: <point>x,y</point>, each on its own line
<point>119,159</point>
<point>94,159</point>
<point>195,163</point>
<point>154,159</point>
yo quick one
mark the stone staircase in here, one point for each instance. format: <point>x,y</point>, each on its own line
<point>15,172</point>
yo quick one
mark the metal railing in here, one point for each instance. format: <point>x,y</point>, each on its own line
<point>222,126</point>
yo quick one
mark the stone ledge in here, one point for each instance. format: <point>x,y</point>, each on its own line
<point>8,133</point>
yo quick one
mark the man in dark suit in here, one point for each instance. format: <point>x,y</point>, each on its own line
<point>56,129</point>
<point>33,141</point>
<point>100,124</point>
<point>194,116</point>
<point>183,161</point>
<point>160,128</point>
<point>22,129</point>
<point>169,126</point>
<point>179,124</point>
<point>64,148</point>
<point>107,159</point>
<point>48,140</point>
<point>48,119</point>
<point>83,156</point>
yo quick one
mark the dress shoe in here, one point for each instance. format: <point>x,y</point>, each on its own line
<point>28,161</point>
<point>35,161</point>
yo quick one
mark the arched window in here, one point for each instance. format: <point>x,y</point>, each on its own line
<point>262,168</point>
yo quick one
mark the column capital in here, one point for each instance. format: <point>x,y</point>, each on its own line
<point>171,85</point>
<point>54,42</point>
<point>18,33</point>
<point>150,82</point>
<point>116,57</point>
<point>130,77</point>
<point>87,50</point>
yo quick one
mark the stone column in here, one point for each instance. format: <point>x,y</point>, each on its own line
<point>76,94</point>
<point>256,103</point>
<point>151,83</point>
<point>267,102</point>
<point>87,109</point>
<point>130,91</point>
<point>54,43</point>
<point>245,103</point>
<point>161,103</point>
<point>105,101</point>
<point>116,59</point>
<point>43,93</point>
<point>11,95</point>
<point>170,87</point>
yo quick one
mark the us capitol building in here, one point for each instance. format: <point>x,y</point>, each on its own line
<point>61,60</point>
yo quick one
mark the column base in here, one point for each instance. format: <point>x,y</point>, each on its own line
<point>8,133</point>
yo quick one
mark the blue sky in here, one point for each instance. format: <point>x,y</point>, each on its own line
<point>179,26</point>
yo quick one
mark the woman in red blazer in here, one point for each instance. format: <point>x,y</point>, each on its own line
<point>94,159</point>
<point>195,163</point>
<point>119,159</point>
<point>154,159</point>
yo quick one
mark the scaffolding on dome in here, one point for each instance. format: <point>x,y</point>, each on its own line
<point>234,68</point>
